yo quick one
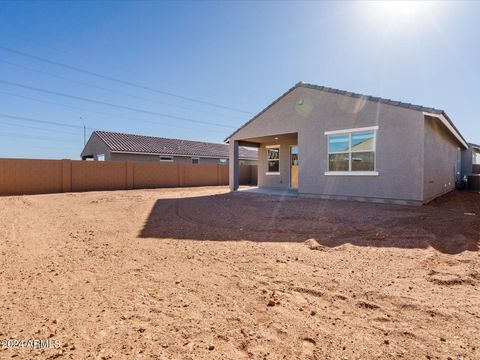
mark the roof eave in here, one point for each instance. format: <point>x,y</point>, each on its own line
<point>425,110</point>
<point>443,117</point>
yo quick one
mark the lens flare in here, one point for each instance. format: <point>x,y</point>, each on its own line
<point>398,12</point>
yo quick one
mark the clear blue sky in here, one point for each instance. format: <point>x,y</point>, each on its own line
<point>236,54</point>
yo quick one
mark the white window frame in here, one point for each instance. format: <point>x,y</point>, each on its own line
<point>101,157</point>
<point>170,158</point>
<point>273,172</point>
<point>350,172</point>
<point>195,158</point>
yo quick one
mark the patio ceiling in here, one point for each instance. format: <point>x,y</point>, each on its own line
<point>269,139</point>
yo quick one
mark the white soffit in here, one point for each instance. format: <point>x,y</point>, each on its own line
<point>449,127</point>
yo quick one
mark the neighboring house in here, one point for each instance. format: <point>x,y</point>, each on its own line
<point>330,143</point>
<point>471,159</point>
<point>475,154</point>
<point>104,145</point>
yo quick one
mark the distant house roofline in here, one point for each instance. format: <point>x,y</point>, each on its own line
<point>429,110</point>
<point>151,145</point>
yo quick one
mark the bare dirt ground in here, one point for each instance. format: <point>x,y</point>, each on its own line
<point>204,274</point>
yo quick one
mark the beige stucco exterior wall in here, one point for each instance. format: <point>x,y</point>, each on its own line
<point>469,161</point>
<point>156,158</point>
<point>442,159</point>
<point>309,113</point>
<point>176,159</point>
<point>95,146</point>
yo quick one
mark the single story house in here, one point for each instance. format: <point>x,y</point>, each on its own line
<point>471,159</point>
<point>111,146</point>
<point>475,154</point>
<point>335,144</point>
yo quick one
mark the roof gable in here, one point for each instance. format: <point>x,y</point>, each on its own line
<point>424,109</point>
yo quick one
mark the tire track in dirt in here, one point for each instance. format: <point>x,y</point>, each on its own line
<point>119,294</point>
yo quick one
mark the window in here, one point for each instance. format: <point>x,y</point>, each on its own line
<point>223,161</point>
<point>101,157</point>
<point>195,161</point>
<point>166,158</point>
<point>273,159</point>
<point>476,157</point>
<point>352,152</point>
<point>338,152</point>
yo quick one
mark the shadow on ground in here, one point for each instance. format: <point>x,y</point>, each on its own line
<point>442,224</point>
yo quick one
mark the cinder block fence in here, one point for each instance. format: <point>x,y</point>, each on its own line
<point>27,176</point>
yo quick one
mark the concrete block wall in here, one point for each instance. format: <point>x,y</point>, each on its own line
<point>29,176</point>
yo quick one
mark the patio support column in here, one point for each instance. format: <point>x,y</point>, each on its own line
<point>233,177</point>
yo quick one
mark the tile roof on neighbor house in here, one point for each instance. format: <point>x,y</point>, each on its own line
<point>129,143</point>
<point>474,145</point>
<point>355,95</point>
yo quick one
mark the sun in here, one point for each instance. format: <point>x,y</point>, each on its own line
<point>398,12</point>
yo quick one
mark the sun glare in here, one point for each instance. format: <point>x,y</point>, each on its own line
<point>398,12</point>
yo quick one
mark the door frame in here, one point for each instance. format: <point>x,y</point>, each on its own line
<point>290,166</point>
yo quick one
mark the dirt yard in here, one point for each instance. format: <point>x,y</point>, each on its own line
<point>205,274</point>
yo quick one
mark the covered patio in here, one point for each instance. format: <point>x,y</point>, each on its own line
<point>278,161</point>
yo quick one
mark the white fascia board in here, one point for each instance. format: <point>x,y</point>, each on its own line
<point>449,127</point>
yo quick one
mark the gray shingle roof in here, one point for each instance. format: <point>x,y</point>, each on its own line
<point>355,95</point>
<point>121,142</point>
